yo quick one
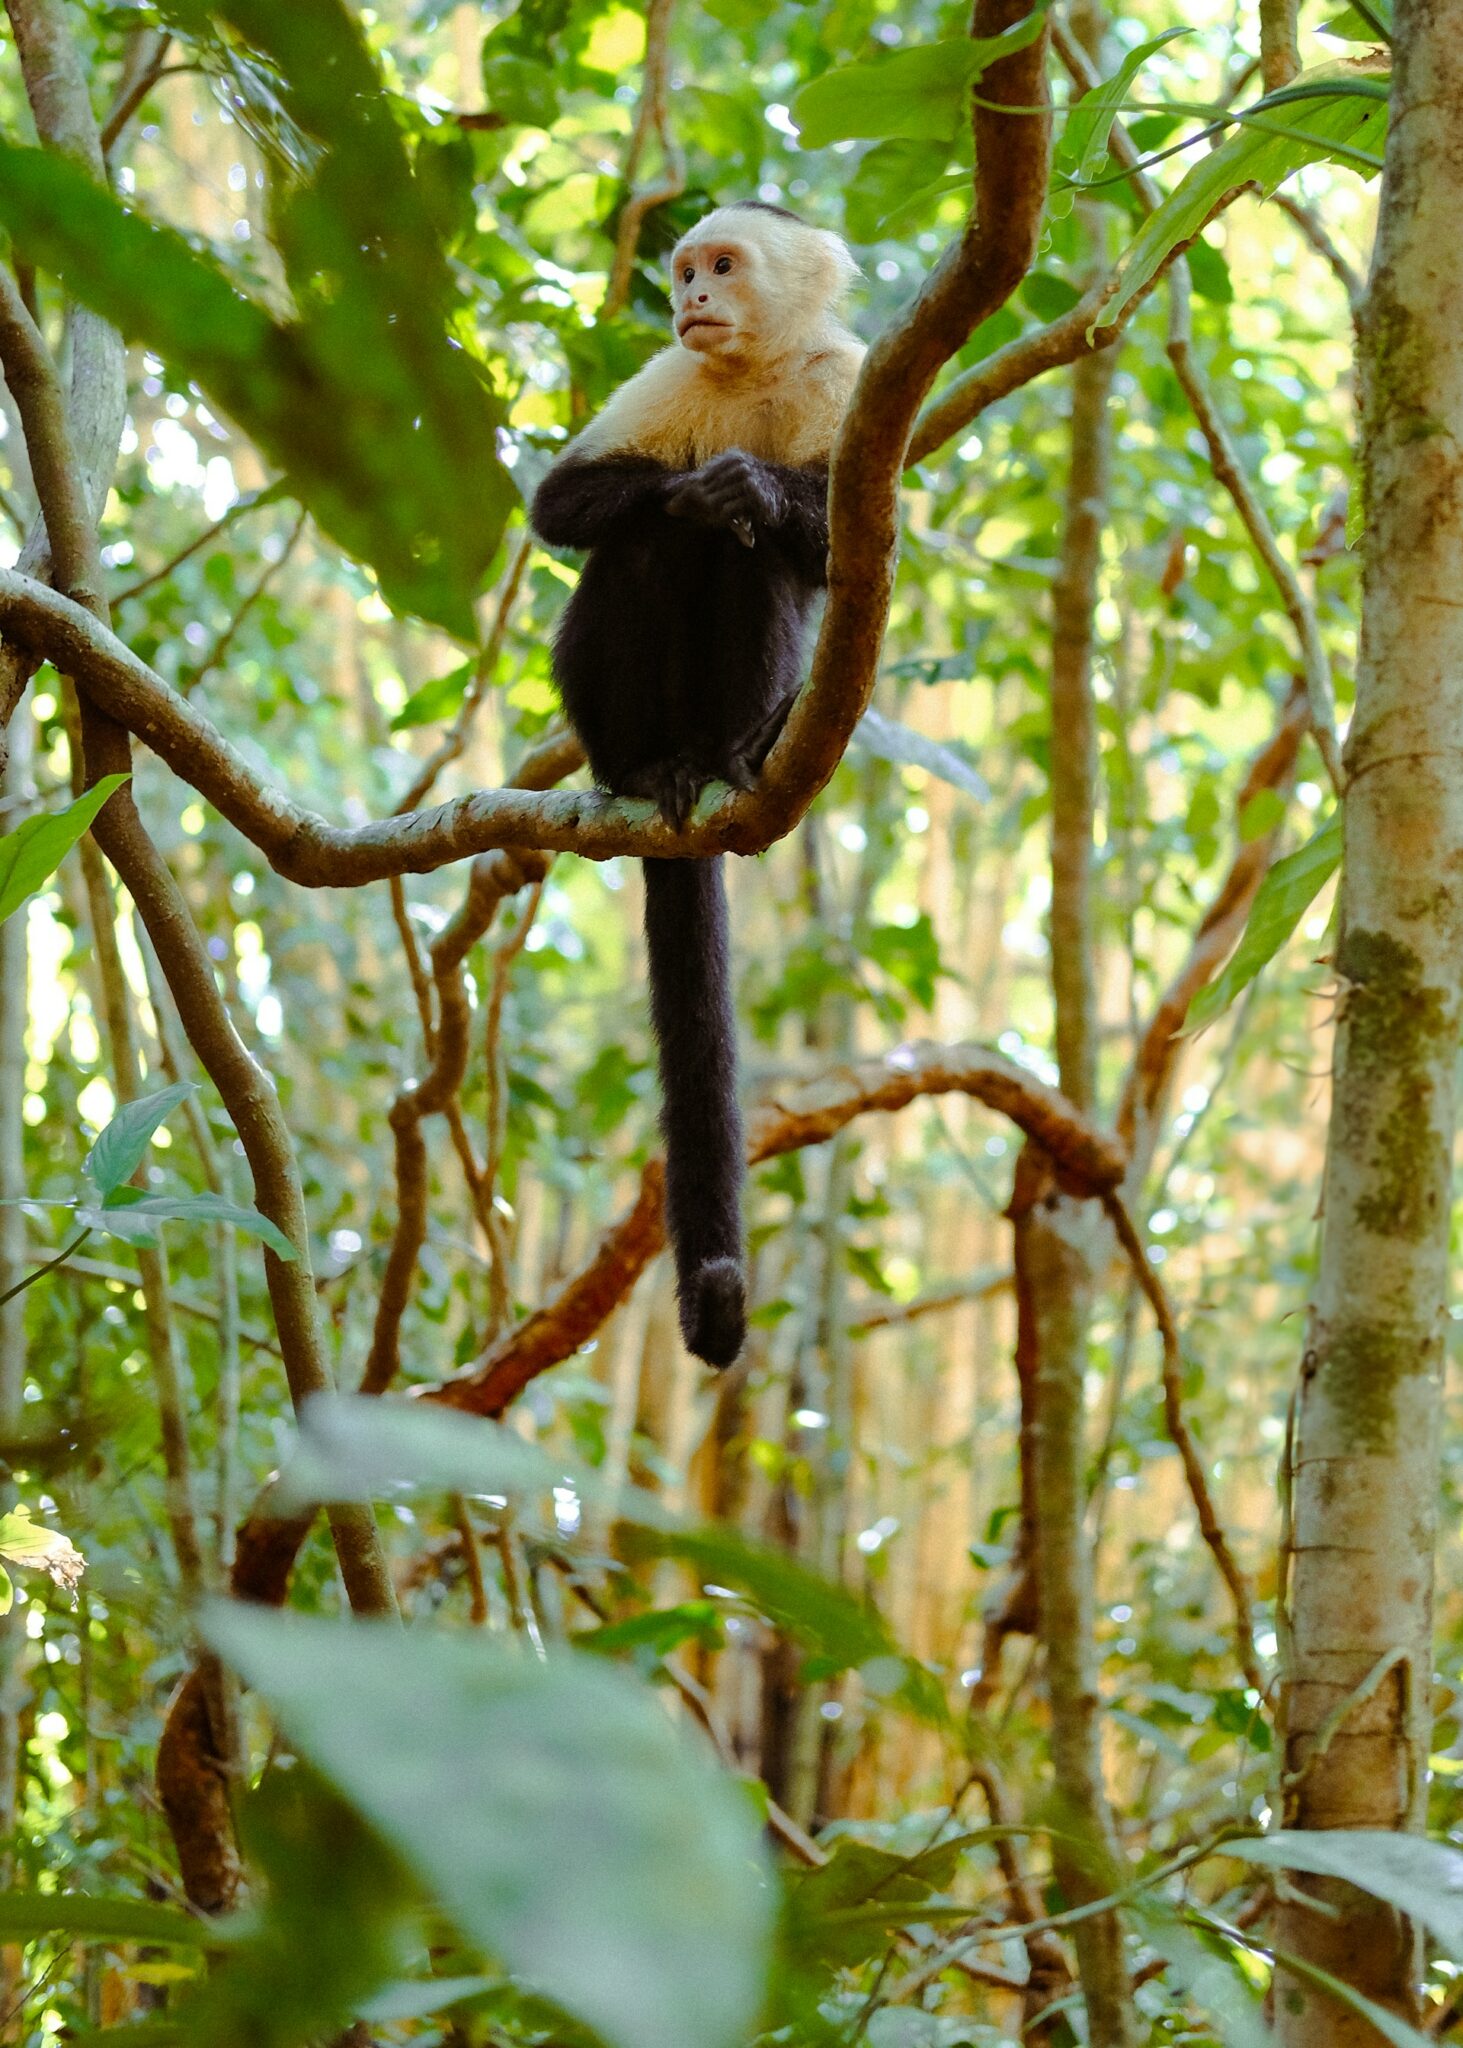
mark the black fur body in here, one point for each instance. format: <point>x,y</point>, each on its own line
<point>677,660</point>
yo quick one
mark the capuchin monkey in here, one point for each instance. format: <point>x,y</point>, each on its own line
<point>701,493</point>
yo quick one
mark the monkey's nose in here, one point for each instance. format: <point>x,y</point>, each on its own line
<point>702,297</point>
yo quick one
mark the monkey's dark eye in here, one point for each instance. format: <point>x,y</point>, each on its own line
<point>722,265</point>
<point>687,274</point>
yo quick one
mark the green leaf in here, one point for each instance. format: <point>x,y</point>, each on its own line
<point>1369,22</point>
<point>1421,1878</point>
<point>1210,273</point>
<point>40,1550</point>
<point>351,1447</point>
<point>828,1619</point>
<point>1204,1971</point>
<point>1089,121</point>
<point>1047,295</point>
<point>1260,815</point>
<point>1283,898</point>
<point>31,854</point>
<point>135,1221</point>
<point>888,740</point>
<point>660,1631</point>
<point>921,92</point>
<point>1338,111</point>
<point>367,402</point>
<point>23,1915</point>
<point>436,699</point>
<point>7,1592</point>
<point>888,177</point>
<point>419,2001</point>
<point>552,1810</point>
<point>122,1146</point>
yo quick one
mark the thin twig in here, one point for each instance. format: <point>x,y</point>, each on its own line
<point>1210,1526</point>
<point>652,118</point>
<point>496,1069</point>
<point>218,653</point>
<point>268,496</point>
<point>1229,471</point>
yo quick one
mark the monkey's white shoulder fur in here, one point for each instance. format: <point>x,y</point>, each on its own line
<point>681,412</point>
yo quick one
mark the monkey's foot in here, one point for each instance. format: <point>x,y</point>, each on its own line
<point>713,1308</point>
<point>672,786</point>
<point>744,764</point>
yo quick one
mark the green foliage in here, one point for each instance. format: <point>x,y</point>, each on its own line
<point>1335,113</point>
<point>1422,1879</point>
<point>550,1807</point>
<point>922,92</point>
<point>1282,900</point>
<point>31,854</point>
<point>121,1148</point>
<point>365,399</point>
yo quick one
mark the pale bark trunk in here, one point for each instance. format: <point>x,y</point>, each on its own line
<point>1365,1482</point>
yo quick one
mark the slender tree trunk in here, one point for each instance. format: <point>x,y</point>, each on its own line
<point>1364,1460</point>
<point>14,1007</point>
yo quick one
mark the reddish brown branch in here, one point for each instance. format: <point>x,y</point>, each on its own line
<point>1273,768</point>
<point>1087,1161</point>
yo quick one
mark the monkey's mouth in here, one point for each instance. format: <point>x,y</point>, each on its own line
<point>684,327</point>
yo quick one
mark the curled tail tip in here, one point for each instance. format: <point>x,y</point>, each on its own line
<point>713,1307</point>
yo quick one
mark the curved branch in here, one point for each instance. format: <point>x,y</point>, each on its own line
<point>1087,1163</point>
<point>493,877</point>
<point>974,277</point>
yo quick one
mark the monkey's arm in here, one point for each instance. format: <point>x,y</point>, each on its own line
<point>767,498</point>
<point>580,501</point>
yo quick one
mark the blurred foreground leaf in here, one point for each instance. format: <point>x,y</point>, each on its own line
<point>552,1810</point>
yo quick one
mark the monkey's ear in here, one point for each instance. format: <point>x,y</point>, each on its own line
<point>836,263</point>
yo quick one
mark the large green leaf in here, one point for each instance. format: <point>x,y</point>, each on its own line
<point>1421,1878</point>
<point>365,400</point>
<point>1083,147</point>
<point>551,1808</point>
<point>24,1915</point>
<point>1283,898</point>
<point>922,92</point>
<point>352,1447</point>
<point>31,854</point>
<point>135,1217</point>
<point>1202,1967</point>
<point>121,1148</point>
<point>1338,111</point>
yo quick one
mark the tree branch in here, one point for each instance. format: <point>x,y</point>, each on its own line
<point>1086,1160</point>
<point>1147,1082</point>
<point>1228,469</point>
<point>1210,1526</point>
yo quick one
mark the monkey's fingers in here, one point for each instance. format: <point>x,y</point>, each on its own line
<point>742,528</point>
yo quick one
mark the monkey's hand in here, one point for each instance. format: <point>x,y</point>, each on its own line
<point>732,490</point>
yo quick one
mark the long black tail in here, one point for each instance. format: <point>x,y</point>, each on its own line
<point>688,942</point>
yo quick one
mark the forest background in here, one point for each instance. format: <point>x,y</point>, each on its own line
<point>972,1589</point>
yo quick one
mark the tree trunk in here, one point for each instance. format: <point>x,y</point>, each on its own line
<point>1364,1459</point>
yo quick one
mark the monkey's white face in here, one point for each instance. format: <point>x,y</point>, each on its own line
<point>716,297</point>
